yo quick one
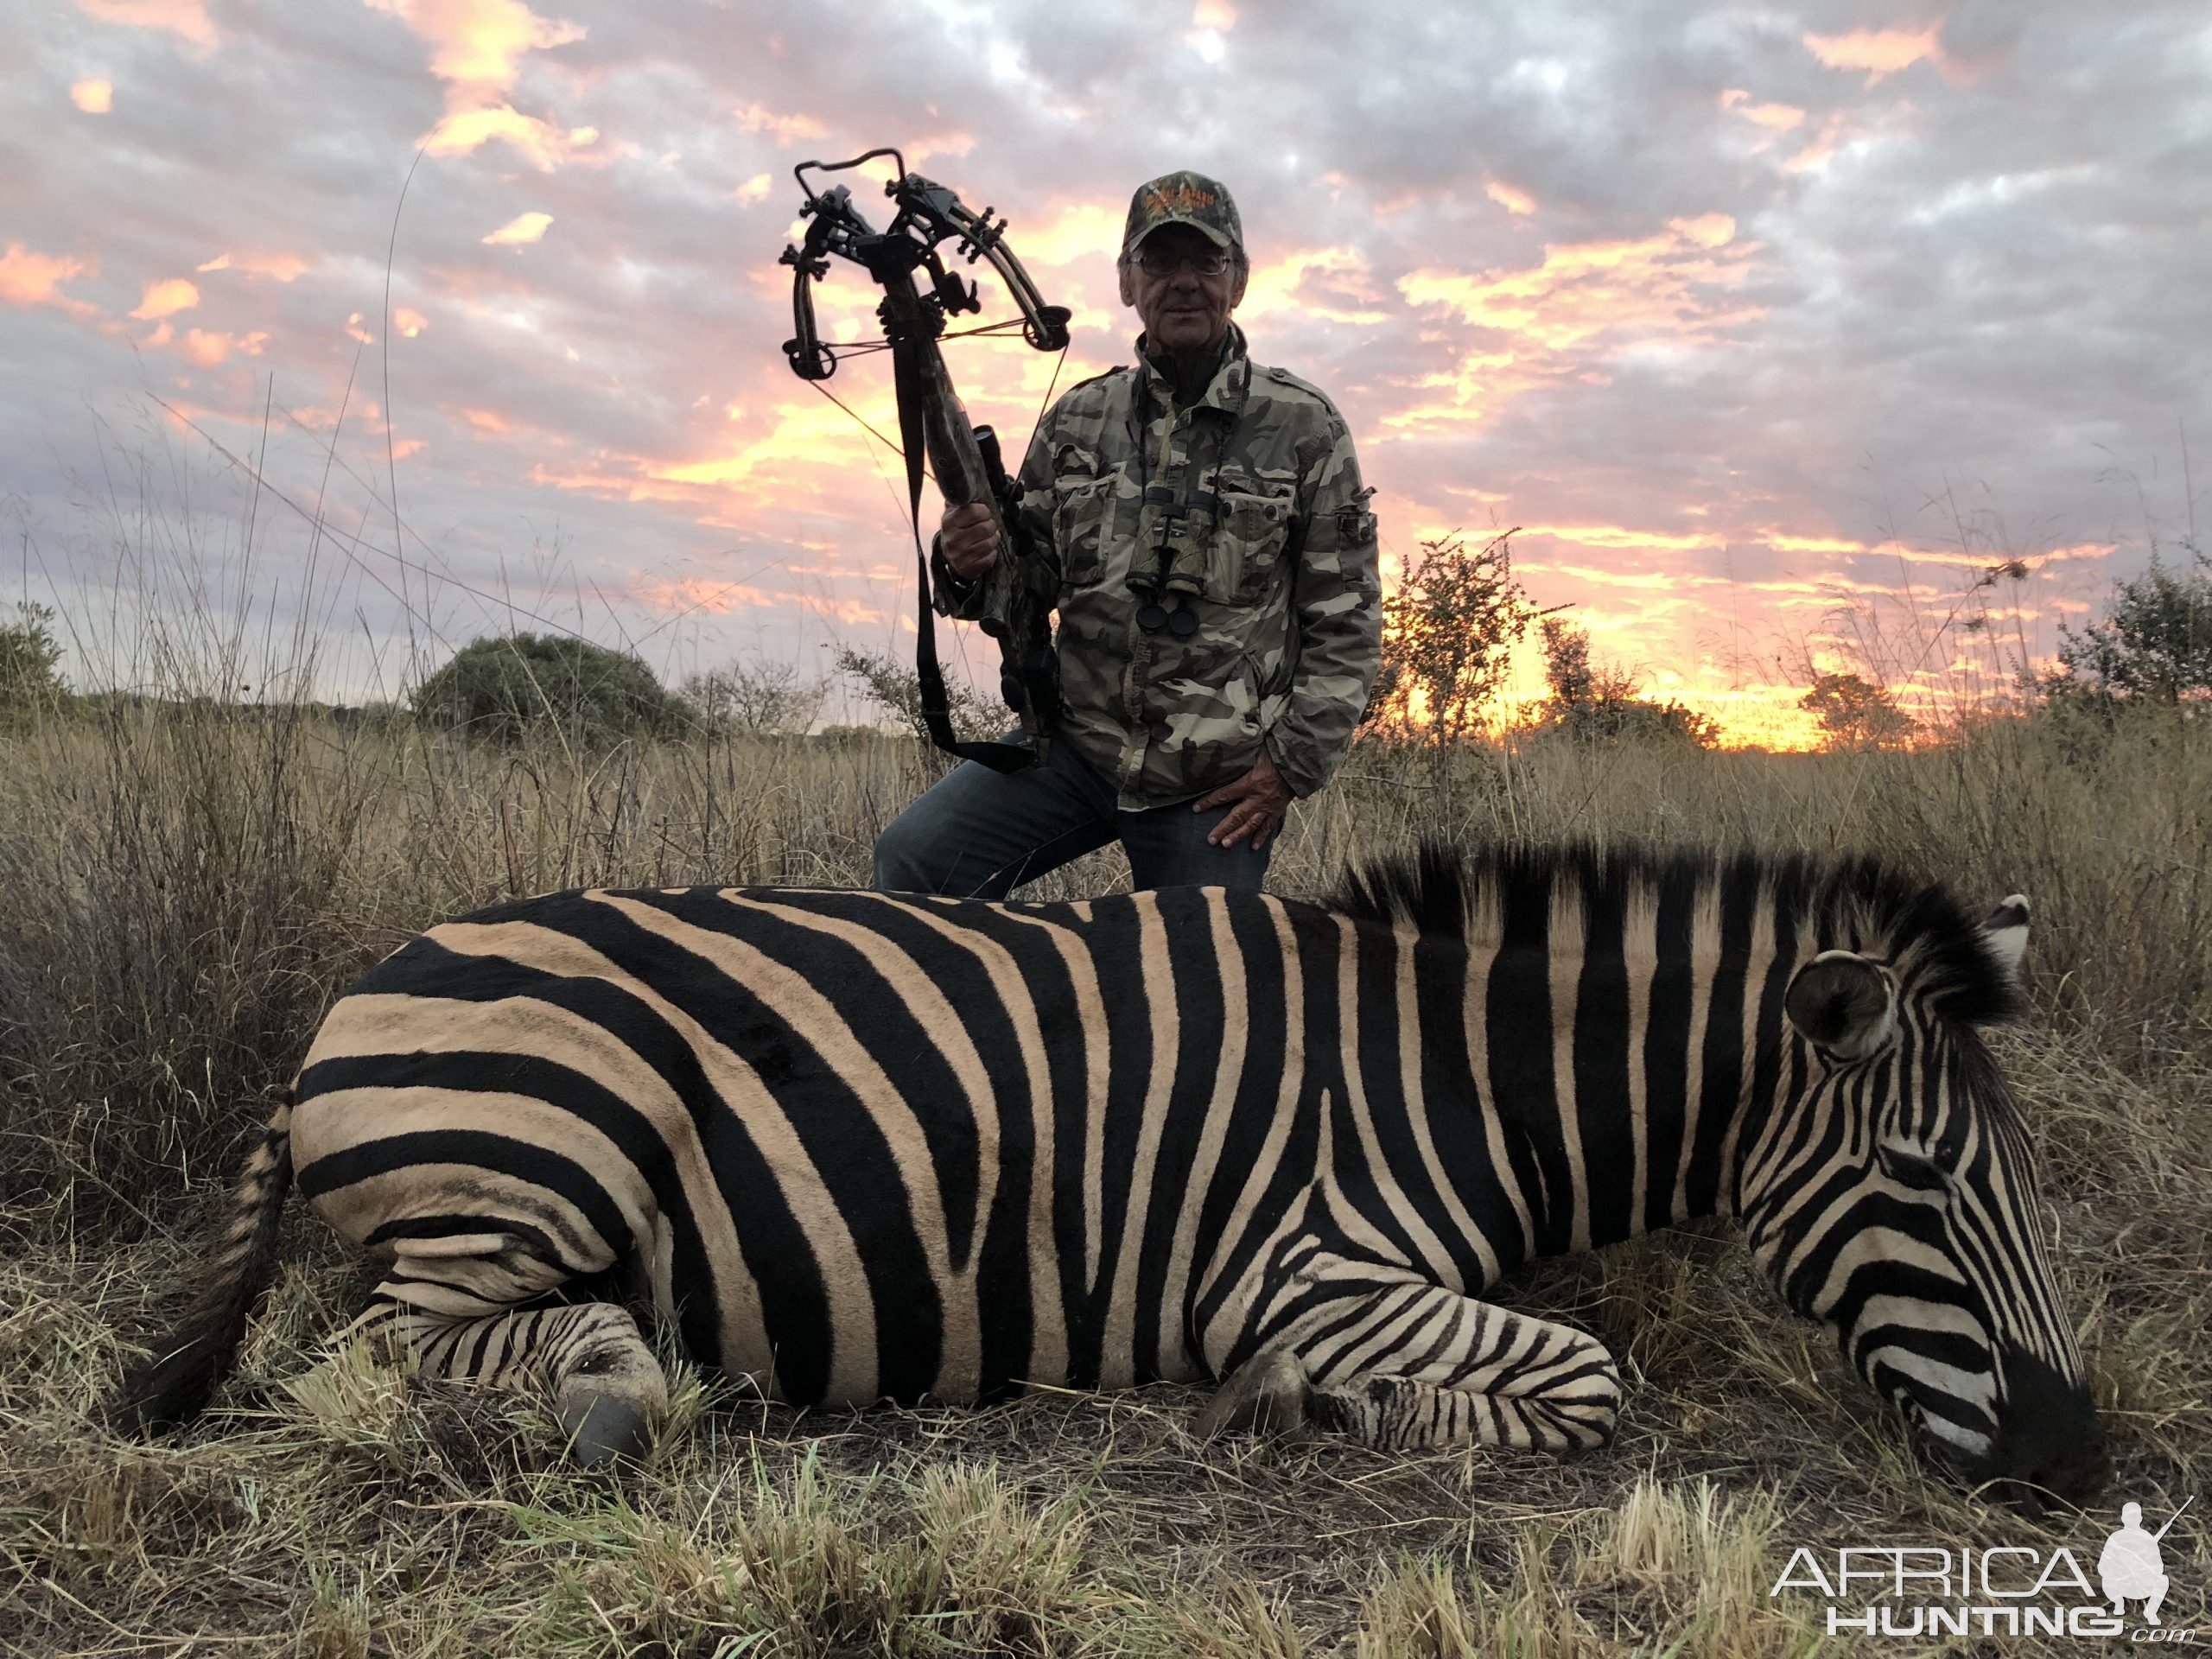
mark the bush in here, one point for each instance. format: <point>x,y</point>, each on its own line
<point>30,679</point>
<point>1600,704</point>
<point>500,687</point>
<point>2155,645</point>
<point>755,699</point>
<point>896,687</point>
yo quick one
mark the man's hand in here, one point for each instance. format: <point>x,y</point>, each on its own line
<point>969,538</point>
<point>1262,797</point>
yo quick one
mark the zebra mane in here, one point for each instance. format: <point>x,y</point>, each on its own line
<point>1857,903</point>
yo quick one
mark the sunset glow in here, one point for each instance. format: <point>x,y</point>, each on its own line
<point>1789,346</point>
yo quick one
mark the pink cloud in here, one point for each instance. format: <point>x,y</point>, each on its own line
<point>1880,52</point>
<point>479,46</point>
<point>28,278</point>
<point>280,267</point>
<point>205,349</point>
<point>522,228</point>
<point>1564,318</point>
<point>167,298</point>
<point>480,43</point>
<point>544,144</point>
<point>751,118</point>
<point>185,18</point>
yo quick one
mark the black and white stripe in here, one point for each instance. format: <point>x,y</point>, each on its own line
<point>859,1145</point>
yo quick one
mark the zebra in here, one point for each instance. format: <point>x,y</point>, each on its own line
<point>862,1146</point>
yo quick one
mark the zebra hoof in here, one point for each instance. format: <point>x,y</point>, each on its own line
<point>604,1431</point>
<point>1267,1395</point>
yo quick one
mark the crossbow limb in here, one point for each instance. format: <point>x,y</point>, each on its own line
<point>905,259</point>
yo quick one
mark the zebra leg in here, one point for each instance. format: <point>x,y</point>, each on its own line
<point>1269,1393</point>
<point>458,1317</point>
<point>1418,1365</point>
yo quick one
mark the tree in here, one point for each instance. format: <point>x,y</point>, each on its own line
<point>1448,635</point>
<point>1856,714</point>
<point>896,687</point>
<point>1594,703</point>
<point>759,699</point>
<point>30,678</point>
<point>499,687</point>
<point>2155,645</point>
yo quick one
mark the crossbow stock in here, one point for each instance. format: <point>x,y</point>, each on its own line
<point>1021,588</point>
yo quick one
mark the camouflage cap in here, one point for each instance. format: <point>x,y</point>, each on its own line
<point>1183,198</point>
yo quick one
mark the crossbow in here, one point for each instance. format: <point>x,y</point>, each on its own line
<point>907,260</point>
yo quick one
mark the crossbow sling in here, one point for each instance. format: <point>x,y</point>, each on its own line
<point>1021,588</point>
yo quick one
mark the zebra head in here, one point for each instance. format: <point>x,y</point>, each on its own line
<point>1893,1197</point>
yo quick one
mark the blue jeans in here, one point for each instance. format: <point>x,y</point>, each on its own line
<point>979,834</point>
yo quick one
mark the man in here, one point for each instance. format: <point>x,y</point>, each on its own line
<point>1219,614</point>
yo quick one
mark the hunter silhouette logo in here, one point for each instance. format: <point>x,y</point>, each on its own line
<point>2131,1567</point>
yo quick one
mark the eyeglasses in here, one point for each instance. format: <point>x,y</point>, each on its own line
<point>1205,262</point>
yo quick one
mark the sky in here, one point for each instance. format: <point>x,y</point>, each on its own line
<point>1790,340</point>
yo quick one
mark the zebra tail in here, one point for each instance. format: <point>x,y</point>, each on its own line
<point>171,1388</point>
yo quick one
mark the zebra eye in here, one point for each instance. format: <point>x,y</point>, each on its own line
<point>1910,1169</point>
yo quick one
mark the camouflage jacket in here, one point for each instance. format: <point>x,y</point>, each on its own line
<point>1275,555</point>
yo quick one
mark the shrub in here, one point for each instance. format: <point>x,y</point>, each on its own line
<point>1595,703</point>
<point>755,699</point>
<point>2154,646</point>
<point>499,687</point>
<point>30,678</point>
<point>896,687</point>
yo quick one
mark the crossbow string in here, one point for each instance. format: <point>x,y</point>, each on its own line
<point>1019,589</point>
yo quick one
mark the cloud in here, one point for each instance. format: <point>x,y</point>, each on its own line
<point>480,48</point>
<point>185,18</point>
<point>93,97</point>
<point>1210,24</point>
<point>29,278</point>
<point>1083,230</point>
<point>206,349</point>
<point>1774,117</point>
<point>281,267</point>
<point>166,298</point>
<point>751,118</point>
<point>1514,201</point>
<point>480,43</point>
<point>542,142</point>
<point>1880,52</point>
<point>1576,313</point>
<point>521,229</point>
<point>1328,283</point>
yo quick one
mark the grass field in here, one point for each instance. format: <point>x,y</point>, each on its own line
<point>182,888</point>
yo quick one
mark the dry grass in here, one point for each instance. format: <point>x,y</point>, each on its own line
<point>182,890</point>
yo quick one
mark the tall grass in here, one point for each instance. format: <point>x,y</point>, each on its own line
<point>187,881</point>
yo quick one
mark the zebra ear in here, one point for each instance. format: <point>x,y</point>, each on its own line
<point>1843,1003</point>
<point>2005,934</point>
